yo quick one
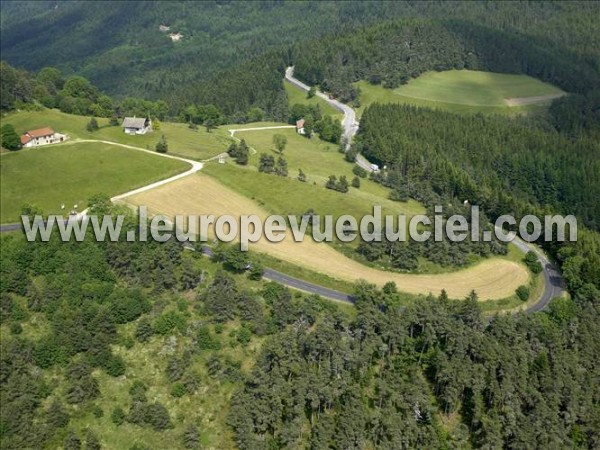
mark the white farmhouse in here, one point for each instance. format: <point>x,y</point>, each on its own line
<point>133,125</point>
<point>41,136</point>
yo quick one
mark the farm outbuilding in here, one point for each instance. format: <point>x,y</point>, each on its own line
<point>134,125</point>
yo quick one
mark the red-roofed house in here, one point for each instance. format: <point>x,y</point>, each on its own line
<point>41,136</point>
<point>300,126</point>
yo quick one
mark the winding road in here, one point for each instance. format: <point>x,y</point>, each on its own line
<point>553,282</point>
<point>553,286</point>
<point>349,122</point>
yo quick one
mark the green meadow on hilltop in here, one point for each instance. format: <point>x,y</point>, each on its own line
<point>464,91</point>
<point>195,144</point>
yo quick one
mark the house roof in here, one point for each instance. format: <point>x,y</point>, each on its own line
<point>300,123</point>
<point>134,122</point>
<point>37,133</point>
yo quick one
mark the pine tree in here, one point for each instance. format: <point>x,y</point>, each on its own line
<point>191,437</point>
<point>72,441</point>
<point>91,441</point>
<point>92,125</point>
<point>281,167</point>
<point>162,146</point>
<point>301,176</point>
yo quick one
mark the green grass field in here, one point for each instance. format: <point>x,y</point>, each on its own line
<point>194,144</point>
<point>318,160</point>
<point>296,95</point>
<point>72,172</point>
<point>463,91</point>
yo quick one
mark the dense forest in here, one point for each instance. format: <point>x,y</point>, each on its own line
<point>233,54</point>
<point>504,164</point>
<point>435,374</point>
<point>123,52</point>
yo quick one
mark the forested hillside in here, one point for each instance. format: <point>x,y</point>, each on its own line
<point>144,345</point>
<point>396,51</point>
<point>505,166</point>
<point>508,165</point>
<point>121,50</point>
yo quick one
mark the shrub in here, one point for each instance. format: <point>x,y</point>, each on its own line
<point>522,292</point>
<point>256,272</point>
<point>92,125</point>
<point>359,171</point>
<point>118,416</point>
<point>162,146</point>
<point>178,390</point>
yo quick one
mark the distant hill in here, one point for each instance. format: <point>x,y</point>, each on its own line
<point>121,49</point>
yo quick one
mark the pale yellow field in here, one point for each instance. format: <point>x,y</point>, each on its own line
<point>201,194</point>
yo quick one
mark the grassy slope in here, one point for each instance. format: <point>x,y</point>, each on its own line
<point>194,144</point>
<point>70,173</point>
<point>318,160</point>
<point>461,91</point>
<point>202,194</point>
<point>296,95</point>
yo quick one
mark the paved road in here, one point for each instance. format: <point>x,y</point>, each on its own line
<point>553,286</point>
<point>553,282</point>
<point>274,275</point>
<point>302,285</point>
<point>349,123</point>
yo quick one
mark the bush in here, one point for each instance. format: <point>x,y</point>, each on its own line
<point>92,125</point>
<point>162,146</point>
<point>168,322</point>
<point>205,339</point>
<point>359,171</point>
<point>118,416</point>
<point>243,335</point>
<point>256,272</point>
<point>144,330</point>
<point>532,262</point>
<point>178,390</point>
<point>97,411</point>
<point>10,138</point>
<point>350,155</point>
<point>114,366</point>
<point>356,182</point>
<point>522,293</point>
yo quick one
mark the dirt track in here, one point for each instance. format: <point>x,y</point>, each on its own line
<point>522,101</point>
